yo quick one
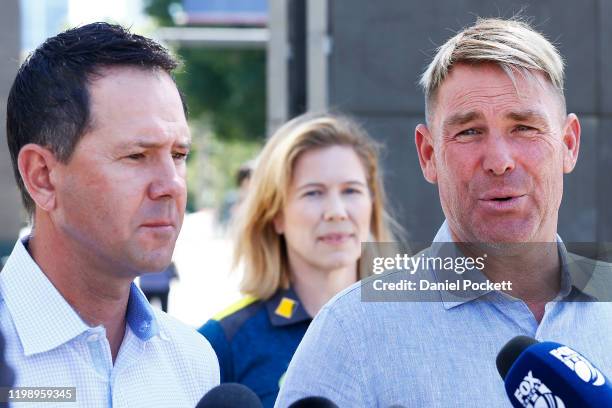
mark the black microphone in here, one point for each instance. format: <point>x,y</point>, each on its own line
<point>230,395</point>
<point>313,402</point>
<point>549,374</point>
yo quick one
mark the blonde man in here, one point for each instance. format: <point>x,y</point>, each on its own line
<point>497,143</point>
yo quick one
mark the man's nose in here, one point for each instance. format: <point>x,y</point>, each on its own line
<point>335,208</point>
<point>168,180</point>
<point>498,156</point>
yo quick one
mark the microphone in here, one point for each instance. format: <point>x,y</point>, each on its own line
<point>550,375</point>
<point>230,395</point>
<point>313,402</point>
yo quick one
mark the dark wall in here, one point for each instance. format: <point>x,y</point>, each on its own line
<point>380,48</point>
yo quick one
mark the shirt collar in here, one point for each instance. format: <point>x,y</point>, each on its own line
<point>42,317</point>
<point>140,315</point>
<point>443,246</point>
<point>584,279</point>
<point>284,308</point>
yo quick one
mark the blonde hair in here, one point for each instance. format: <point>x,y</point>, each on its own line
<point>258,246</point>
<point>511,44</point>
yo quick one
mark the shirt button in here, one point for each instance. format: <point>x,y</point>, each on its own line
<point>93,337</point>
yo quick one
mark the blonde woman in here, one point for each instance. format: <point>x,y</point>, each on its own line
<point>315,195</point>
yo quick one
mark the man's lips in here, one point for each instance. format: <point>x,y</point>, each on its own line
<point>502,201</point>
<point>501,195</point>
<point>159,225</point>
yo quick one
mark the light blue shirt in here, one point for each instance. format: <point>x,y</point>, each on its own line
<point>161,362</point>
<point>432,354</point>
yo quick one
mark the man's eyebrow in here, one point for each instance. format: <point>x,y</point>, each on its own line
<point>459,119</point>
<point>150,144</point>
<point>525,115</point>
<point>184,145</point>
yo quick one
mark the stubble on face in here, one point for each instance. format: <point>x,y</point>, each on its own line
<point>122,195</point>
<point>498,155</point>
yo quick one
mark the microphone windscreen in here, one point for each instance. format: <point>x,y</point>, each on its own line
<point>510,352</point>
<point>313,402</point>
<point>230,395</point>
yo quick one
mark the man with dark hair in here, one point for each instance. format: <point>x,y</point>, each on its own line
<point>98,138</point>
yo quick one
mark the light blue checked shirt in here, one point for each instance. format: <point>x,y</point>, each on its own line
<point>161,362</point>
<point>432,354</point>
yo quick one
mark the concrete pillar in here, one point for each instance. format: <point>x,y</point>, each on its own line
<point>11,212</point>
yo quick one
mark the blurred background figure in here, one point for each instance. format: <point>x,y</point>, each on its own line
<point>315,195</point>
<point>156,286</point>
<point>243,181</point>
<point>232,200</point>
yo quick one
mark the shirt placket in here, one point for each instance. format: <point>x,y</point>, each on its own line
<point>100,354</point>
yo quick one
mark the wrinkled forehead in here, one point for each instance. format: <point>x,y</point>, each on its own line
<point>489,89</point>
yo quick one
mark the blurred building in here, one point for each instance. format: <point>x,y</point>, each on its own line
<point>24,24</point>
<point>365,58</point>
<point>225,12</point>
<point>10,203</point>
<point>217,24</point>
<point>40,20</point>
<point>126,12</point>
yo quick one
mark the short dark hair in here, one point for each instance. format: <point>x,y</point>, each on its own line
<point>244,172</point>
<point>49,102</point>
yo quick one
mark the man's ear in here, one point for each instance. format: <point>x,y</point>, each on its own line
<point>425,149</point>
<point>279,223</point>
<point>571,142</point>
<point>36,165</point>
